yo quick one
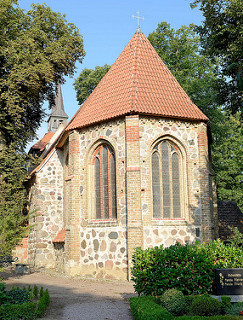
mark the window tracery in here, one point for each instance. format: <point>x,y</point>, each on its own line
<point>104,182</point>
<point>167,173</point>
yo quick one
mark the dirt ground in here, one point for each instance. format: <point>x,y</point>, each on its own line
<point>78,298</point>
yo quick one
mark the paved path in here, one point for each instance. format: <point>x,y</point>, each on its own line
<point>80,299</point>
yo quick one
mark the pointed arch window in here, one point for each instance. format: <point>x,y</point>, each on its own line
<point>105,182</point>
<point>167,181</point>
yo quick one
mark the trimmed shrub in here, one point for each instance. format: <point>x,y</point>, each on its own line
<point>187,268</point>
<point>2,286</point>
<point>235,309</point>
<point>35,291</point>
<point>144,308</point>
<point>24,311</point>
<point>18,296</point>
<point>224,256</point>
<point>205,306</point>
<point>41,292</point>
<point>219,317</point>
<point>43,304</point>
<point>225,303</point>
<point>174,301</point>
<point>16,304</point>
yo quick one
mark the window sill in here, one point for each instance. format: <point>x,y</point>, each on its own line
<point>169,222</point>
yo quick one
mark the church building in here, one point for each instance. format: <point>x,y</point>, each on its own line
<point>131,169</point>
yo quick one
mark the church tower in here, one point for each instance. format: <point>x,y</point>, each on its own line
<point>58,115</point>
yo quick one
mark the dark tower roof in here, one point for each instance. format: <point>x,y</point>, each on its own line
<point>58,115</point>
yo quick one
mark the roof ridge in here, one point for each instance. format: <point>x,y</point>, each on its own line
<point>133,79</point>
<point>138,58</point>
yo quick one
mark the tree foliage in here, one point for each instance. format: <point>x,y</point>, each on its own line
<point>221,36</point>
<point>13,226</point>
<point>227,158</point>
<point>37,49</point>
<point>88,80</point>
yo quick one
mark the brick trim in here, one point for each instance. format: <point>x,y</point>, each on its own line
<point>133,169</point>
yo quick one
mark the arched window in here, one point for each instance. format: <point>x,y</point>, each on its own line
<point>105,182</point>
<point>166,180</point>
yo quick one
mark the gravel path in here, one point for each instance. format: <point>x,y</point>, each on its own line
<point>78,298</point>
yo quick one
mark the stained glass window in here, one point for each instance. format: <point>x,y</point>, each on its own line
<point>105,182</point>
<point>166,177</point>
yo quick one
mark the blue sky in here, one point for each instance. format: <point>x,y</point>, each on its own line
<point>107,26</point>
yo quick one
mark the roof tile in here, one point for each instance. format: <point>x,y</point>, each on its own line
<point>138,82</point>
<point>40,145</point>
<point>60,237</point>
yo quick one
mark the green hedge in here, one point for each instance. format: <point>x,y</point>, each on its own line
<point>43,304</point>
<point>219,317</point>
<point>188,268</point>
<point>24,311</point>
<point>144,308</point>
<point>16,303</point>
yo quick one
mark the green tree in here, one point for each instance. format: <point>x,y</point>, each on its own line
<point>200,77</point>
<point>88,80</point>
<point>221,36</point>
<point>180,51</point>
<point>37,49</point>
<point>14,218</point>
<point>227,158</point>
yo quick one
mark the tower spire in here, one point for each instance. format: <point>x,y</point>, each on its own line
<point>58,115</point>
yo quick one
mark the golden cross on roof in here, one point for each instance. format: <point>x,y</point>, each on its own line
<point>142,18</point>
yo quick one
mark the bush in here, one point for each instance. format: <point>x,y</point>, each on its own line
<point>187,268</point>
<point>219,317</point>
<point>235,309</point>
<point>41,292</point>
<point>43,304</point>
<point>224,256</point>
<point>18,296</point>
<point>16,304</point>
<point>24,311</point>
<point>144,308</point>
<point>2,286</point>
<point>35,291</point>
<point>225,303</point>
<point>174,301</point>
<point>205,306</point>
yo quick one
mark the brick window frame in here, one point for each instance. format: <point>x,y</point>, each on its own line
<point>176,184</point>
<point>103,183</point>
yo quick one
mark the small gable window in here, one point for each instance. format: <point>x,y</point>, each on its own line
<point>104,182</point>
<point>167,181</point>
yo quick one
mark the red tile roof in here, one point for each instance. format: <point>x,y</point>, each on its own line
<point>40,145</point>
<point>137,83</point>
<point>60,237</point>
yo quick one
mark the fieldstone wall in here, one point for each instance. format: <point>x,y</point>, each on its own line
<point>103,252</point>
<point>189,227</point>
<point>62,197</point>
<point>101,247</point>
<point>46,207</point>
